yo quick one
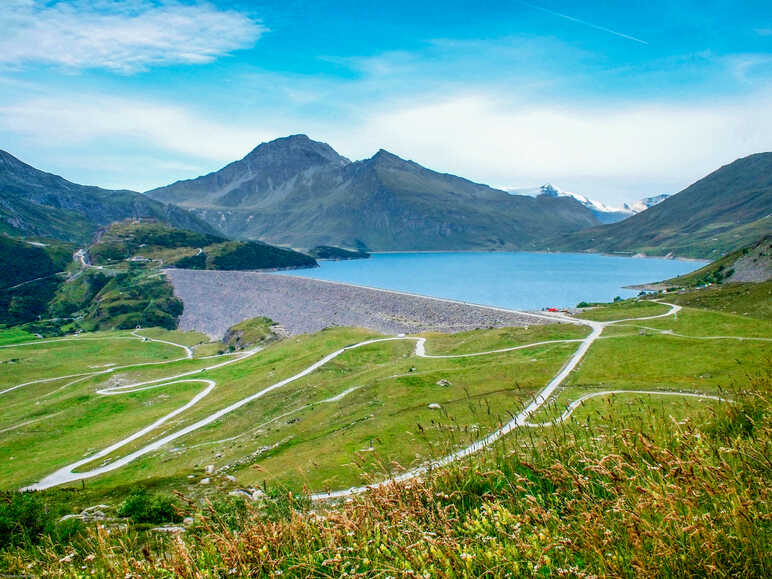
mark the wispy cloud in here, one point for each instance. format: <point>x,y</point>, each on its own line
<point>764,31</point>
<point>583,22</point>
<point>124,37</point>
<point>68,120</point>
<point>614,152</point>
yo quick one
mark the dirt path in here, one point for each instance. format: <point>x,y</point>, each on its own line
<point>68,474</point>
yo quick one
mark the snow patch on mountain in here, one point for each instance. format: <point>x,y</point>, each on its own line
<point>604,213</point>
<point>644,204</point>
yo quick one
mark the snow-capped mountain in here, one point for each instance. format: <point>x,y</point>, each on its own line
<point>644,204</point>
<point>604,213</point>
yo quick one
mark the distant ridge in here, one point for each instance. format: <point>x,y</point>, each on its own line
<point>299,192</point>
<point>36,203</point>
<point>721,212</point>
<point>603,213</point>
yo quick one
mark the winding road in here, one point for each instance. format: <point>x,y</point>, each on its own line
<point>68,473</point>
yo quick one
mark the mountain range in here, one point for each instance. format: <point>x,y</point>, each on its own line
<point>34,203</point>
<point>727,209</point>
<point>299,192</point>
<point>602,212</point>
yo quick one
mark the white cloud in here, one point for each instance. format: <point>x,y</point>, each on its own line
<point>614,153</point>
<point>83,119</point>
<point>124,37</point>
<point>620,150</point>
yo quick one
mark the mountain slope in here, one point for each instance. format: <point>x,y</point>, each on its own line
<point>299,192</point>
<point>752,263</point>
<point>729,208</point>
<point>36,203</point>
<point>151,241</point>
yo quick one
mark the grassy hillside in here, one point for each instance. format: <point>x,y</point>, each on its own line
<point>752,263</point>
<point>633,484</point>
<point>123,286</point>
<point>720,213</point>
<point>336,253</point>
<point>168,246</point>
<point>22,218</point>
<point>29,277</point>
<point>36,203</point>
<point>746,299</point>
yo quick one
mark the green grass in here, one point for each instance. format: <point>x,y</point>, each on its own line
<point>625,491</point>
<point>624,309</point>
<point>607,493</point>
<point>746,299</point>
<point>498,338</point>
<point>250,332</point>
<point>14,335</point>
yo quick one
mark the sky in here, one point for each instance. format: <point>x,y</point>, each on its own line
<point>614,100</point>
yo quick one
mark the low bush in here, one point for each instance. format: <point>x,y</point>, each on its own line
<point>143,507</point>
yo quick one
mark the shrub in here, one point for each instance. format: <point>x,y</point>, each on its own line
<point>25,519</point>
<point>142,507</point>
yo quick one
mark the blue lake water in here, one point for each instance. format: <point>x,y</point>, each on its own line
<point>515,280</point>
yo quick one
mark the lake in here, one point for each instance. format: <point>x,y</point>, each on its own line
<point>517,280</point>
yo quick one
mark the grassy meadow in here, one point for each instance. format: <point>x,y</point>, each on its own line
<point>630,484</point>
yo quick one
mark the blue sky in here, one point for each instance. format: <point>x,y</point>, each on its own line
<point>615,100</point>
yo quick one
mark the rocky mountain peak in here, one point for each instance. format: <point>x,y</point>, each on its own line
<point>299,147</point>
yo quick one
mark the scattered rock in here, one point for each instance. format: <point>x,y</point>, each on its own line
<point>95,513</point>
<point>230,477</point>
<point>168,529</point>
<point>435,406</point>
<point>209,469</point>
<point>444,383</point>
<point>204,481</point>
<point>187,521</point>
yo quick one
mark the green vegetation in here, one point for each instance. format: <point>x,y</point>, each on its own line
<point>255,255</point>
<point>632,484</point>
<point>133,299</point>
<point>336,253</point>
<point>753,261</point>
<point>605,497</point>
<point>26,520</point>
<point>126,239</point>
<point>29,277</point>
<point>623,309</point>
<point>728,209</point>
<point>745,299</point>
<point>39,204</point>
<point>151,241</point>
<point>124,288</point>
<point>142,507</point>
<point>250,333</point>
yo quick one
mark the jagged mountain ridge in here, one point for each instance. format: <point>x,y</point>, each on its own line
<point>36,203</point>
<point>299,192</point>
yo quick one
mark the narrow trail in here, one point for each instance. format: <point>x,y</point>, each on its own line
<point>67,474</point>
<point>83,375</point>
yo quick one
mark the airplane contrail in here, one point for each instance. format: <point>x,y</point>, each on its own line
<point>580,21</point>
